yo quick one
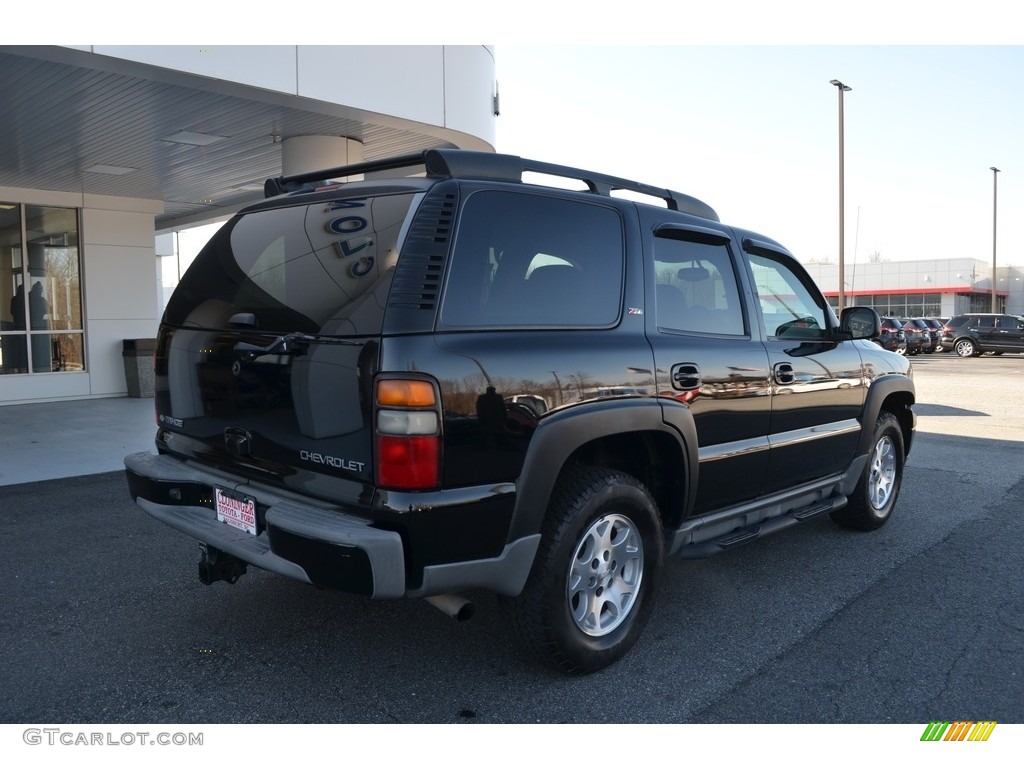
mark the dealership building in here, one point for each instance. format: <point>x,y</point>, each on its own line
<point>109,151</point>
<point>926,288</point>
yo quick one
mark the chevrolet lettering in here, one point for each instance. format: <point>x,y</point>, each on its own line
<point>332,461</point>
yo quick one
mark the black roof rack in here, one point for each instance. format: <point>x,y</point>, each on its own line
<point>489,166</point>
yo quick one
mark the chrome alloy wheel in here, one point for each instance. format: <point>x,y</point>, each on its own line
<point>882,480</point>
<point>965,348</point>
<point>605,575</point>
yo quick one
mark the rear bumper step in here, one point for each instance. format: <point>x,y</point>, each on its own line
<point>323,544</point>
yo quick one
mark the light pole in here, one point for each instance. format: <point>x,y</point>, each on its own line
<point>842,87</point>
<point>995,172</point>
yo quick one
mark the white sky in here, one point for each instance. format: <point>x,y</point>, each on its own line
<point>754,131</point>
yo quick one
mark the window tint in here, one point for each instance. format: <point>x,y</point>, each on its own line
<point>985,322</point>
<point>531,260</point>
<point>696,288</point>
<point>311,268</point>
<point>789,308</point>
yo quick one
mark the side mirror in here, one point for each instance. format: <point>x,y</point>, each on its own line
<point>861,323</point>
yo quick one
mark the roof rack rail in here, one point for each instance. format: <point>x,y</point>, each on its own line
<point>489,166</point>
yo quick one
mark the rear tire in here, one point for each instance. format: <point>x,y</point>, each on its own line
<point>871,504</point>
<point>597,569</point>
<point>966,348</point>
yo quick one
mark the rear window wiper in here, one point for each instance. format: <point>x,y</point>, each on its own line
<point>289,344</point>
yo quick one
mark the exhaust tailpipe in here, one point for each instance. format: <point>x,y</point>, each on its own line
<point>456,606</point>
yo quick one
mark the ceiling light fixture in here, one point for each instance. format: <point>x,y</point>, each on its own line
<point>194,139</point>
<point>110,170</point>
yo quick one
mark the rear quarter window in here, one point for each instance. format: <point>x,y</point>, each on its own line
<point>525,259</point>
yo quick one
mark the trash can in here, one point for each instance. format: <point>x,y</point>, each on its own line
<point>138,366</point>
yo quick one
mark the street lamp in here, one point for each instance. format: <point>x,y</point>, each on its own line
<point>842,87</point>
<point>995,171</point>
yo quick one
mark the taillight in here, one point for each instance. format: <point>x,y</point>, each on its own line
<point>407,427</point>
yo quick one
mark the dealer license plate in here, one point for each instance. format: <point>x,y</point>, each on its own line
<point>236,509</point>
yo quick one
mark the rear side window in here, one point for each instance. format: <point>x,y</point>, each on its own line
<point>532,260</point>
<point>696,290</point>
<point>320,268</point>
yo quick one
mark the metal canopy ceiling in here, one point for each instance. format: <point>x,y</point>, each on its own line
<point>83,123</point>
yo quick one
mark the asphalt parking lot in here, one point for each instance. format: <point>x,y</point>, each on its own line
<point>105,621</point>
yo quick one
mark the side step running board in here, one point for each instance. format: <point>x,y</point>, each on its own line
<point>740,536</point>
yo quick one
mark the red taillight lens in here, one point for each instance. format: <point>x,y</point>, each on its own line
<point>408,463</point>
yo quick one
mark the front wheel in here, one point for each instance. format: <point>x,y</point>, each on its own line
<point>871,504</point>
<point>593,582</point>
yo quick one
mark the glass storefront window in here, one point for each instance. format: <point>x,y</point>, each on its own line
<point>41,322</point>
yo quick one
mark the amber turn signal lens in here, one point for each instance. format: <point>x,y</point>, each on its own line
<point>409,393</point>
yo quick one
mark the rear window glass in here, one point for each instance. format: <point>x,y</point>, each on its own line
<point>532,260</point>
<point>320,268</point>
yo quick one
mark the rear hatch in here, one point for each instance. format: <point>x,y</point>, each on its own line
<point>268,347</point>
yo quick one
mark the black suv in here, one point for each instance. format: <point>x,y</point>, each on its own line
<point>917,335</point>
<point>419,386</point>
<point>891,336</point>
<point>972,334</point>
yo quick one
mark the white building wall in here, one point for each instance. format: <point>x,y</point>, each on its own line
<point>1011,279</point>
<point>121,286</point>
<point>926,274</point>
<point>447,86</point>
<point>470,88</point>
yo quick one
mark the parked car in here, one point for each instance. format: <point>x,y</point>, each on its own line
<point>972,334</point>
<point>936,324</point>
<point>336,371</point>
<point>918,339</point>
<point>930,335</point>
<point>891,336</point>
